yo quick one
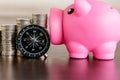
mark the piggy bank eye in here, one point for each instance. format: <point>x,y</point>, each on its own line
<point>70,11</point>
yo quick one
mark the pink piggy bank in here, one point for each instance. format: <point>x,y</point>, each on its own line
<point>86,26</point>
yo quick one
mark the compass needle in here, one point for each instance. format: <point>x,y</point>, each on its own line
<point>34,34</point>
<point>33,45</point>
<point>37,44</point>
<point>30,44</point>
<point>26,47</point>
<point>29,35</point>
<point>37,37</point>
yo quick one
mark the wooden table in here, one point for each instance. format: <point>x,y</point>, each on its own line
<point>58,66</point>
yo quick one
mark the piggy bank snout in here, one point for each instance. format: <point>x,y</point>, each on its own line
<point>56,19</point>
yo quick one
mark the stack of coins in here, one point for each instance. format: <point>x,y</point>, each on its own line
<point>40,19</point>
<point>21,23</point>
<point>8,39</point>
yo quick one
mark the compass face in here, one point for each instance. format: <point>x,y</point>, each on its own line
<point>33,41</point>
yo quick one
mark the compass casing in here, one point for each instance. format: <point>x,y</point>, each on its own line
<point>33,41</point>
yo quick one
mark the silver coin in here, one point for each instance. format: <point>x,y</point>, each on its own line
<point>8,27</point>
<point>21,23</point>
<point>8,38</point>
<point>8,53</point>
<point>8,43</point>
<point>39,19</point>
<point>8,48</point>
<point>5,32</point>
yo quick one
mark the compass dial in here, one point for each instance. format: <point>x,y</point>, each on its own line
<point>33,41</point>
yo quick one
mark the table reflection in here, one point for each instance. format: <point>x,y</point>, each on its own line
<point>19,68</point>
<point>83,70</point>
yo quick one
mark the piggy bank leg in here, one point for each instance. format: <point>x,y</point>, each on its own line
<point>105,51</point>
<point>77,50</point>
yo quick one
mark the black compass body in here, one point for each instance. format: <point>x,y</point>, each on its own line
<point>33,41</point>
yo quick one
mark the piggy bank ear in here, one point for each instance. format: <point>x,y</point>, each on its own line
<point>82,7</point>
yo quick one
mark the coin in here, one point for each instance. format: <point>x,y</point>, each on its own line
<point>8,53</point>
<point>21,23</point>
<point>8,27</point>
<point>40,20</point>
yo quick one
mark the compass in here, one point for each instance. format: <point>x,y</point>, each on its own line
<point>33,41</point>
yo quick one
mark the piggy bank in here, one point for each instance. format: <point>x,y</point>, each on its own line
<point>86,26</point>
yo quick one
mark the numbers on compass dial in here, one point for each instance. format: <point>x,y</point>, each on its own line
<point>33,41</point>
